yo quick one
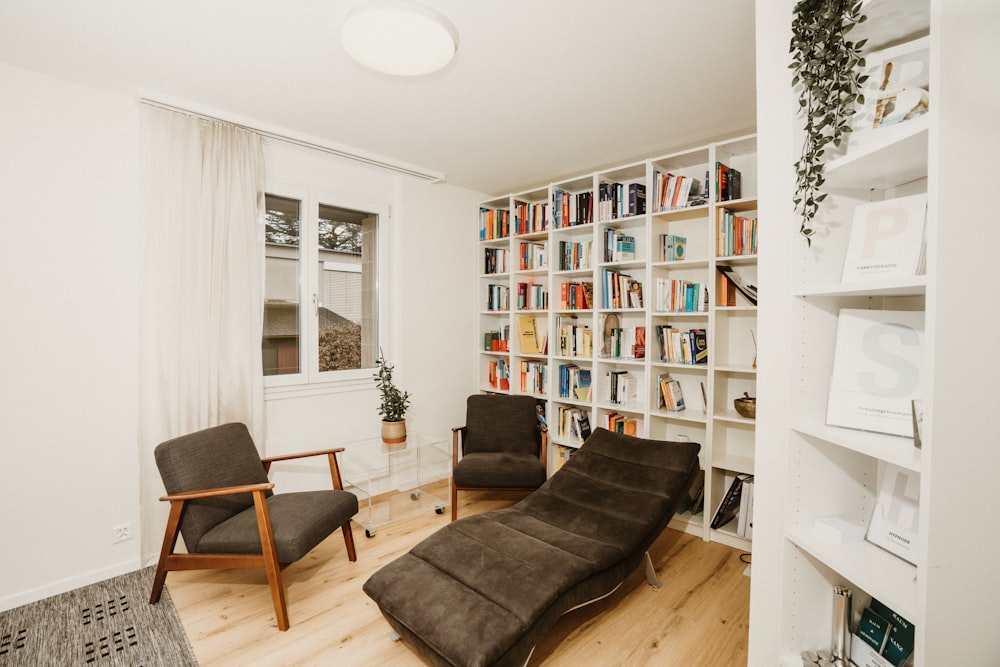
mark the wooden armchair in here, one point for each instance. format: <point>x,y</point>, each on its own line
<point>501,447</point>
<point>223,505</point>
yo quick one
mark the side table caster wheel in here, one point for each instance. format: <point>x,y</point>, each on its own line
<point>370,531</point>
<point>415,495</point>
<point>439,509</point>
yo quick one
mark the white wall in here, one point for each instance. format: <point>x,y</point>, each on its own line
<point>69,373</point>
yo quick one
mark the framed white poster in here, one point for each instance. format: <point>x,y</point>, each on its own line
<point>887,240</point>
<point>877,370</point>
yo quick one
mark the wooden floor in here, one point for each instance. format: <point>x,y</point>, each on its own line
<point>699,618</point>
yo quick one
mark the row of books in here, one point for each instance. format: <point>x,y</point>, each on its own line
<point>694,500</point>
<point>680,296</point>
<point>532,296</point>
<point>672,191</point>
<point>563,454</point>
<point>678,346</point>
<point>736,235</point>
<point>618,246</point>
<point>534,377</point>
<point>884,632</point>
<point>572,423</point>
<point>671,395</point>
<point>673,248</point>
<point>733,505</point>
<point>616,200</point>
<point>734,282</point>
<point>617,423</point>
<point>621,290</point>
<point>728,183</point>
<point>530,218</point>
<point>620,387</point>
<point>531,256</point>
<point>624,343</point>
<point>497,297</point>
<point>573,339</point>
<point>499,374</point>
<point>574,256</point>
<point>494,223</point>
<point>495,260</point>
<point>532,341</point>
<point>571,209</point>
<point>574,382</point>
<point>497,340</point>
<point>576,295</point>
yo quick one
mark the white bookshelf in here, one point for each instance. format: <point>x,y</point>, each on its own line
<point>806,469</point>
<point>727,439</point>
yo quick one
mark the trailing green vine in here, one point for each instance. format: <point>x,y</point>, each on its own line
<point>827,70</point>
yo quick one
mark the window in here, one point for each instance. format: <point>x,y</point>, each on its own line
<point>320,288</point>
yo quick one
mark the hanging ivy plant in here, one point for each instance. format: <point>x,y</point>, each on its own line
<point>828,75</point>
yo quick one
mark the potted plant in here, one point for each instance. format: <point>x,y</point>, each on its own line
<point>393,403</point>
<point>827,73</point>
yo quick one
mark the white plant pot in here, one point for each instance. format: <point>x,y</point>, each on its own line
<point>394,433</point>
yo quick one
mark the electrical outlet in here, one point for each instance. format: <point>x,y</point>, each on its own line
<point>121,532</point>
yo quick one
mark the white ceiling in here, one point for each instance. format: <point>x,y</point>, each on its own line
<point>540,89</point>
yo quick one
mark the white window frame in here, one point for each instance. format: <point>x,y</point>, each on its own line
<point>310,380</point>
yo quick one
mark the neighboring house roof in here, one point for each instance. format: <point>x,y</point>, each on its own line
<point>281,319</point>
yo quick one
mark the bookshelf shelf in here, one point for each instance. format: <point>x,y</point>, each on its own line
<point>683,416</point>
<point>676,247</point>
<point>892,449</point>
<point>916,286</point>
<point>899,157</point>
<point>867,567</point>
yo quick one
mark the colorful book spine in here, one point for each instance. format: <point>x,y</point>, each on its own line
<point>494,223</point>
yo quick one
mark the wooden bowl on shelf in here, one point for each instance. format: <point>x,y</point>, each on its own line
<point>746,406</point>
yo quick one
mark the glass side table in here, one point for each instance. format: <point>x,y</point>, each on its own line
<point>396,482</point>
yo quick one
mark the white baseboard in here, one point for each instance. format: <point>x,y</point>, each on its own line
<point>64,585</point>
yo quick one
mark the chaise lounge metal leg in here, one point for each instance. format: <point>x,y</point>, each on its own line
<point>651,577</point>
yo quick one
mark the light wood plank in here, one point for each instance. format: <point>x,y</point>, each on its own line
<point>699,616</point>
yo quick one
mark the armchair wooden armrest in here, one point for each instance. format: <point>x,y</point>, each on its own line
<point>331,455</point>
<point>222,491</point>
<point>284,457</point>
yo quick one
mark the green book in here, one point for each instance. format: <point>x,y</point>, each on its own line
<point>899,645</point>
<point>874,630</point>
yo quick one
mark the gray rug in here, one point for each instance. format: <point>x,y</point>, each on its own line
<point>107,623</point>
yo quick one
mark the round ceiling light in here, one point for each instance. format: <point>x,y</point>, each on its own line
<point>399,37</point>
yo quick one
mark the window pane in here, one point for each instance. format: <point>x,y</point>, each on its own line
<point>346,279</point>
<point>280,346</point>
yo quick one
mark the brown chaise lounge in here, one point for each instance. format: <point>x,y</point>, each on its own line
<point>484,589</point>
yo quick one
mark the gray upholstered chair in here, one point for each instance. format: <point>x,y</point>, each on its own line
<point>222,503</point>
<point>501,447</point>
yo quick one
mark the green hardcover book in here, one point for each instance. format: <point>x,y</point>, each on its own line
<point>900,643</point>
<point>874,630</point>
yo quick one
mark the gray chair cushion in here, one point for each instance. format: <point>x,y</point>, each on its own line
<point>484,589</point>
<point>501,423</point>
<point>300,520</point>
<point>500,470</point>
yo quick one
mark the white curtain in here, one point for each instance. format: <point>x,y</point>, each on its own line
<point>201,296</point>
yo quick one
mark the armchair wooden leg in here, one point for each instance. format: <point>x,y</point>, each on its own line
<point>454,501</point>
<point>169,542</point>
<point>349,541</point>
<point>271,565</point>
